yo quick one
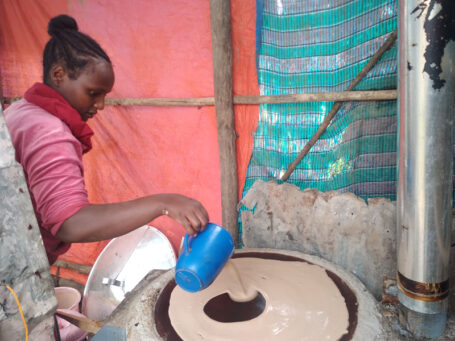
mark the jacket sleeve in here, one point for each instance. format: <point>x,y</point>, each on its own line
<point>52,160</point>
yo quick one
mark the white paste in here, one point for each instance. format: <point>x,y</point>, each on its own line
<point>302,303</point>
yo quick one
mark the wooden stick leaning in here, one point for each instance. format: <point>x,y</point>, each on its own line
<point>388,43</point>
<point>373,95</point>
<point>82,322</point>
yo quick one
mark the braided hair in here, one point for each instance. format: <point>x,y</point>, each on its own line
<point>69,46</point>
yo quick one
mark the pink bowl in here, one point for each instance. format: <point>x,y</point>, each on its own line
<point>68,300</point>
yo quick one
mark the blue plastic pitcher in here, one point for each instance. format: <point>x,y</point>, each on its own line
<point>203,257</point>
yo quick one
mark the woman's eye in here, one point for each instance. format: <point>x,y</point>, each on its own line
<point>92,94</point>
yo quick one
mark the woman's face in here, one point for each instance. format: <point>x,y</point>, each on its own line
<point>86,93</point>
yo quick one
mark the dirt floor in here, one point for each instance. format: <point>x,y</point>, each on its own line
<point>393,331</point>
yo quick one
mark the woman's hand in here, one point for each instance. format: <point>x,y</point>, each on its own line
<point>186,211</point>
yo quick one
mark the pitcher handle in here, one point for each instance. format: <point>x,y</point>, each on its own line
<point>188,242</point>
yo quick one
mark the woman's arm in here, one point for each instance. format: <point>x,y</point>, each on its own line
<point>100,222</point>
<point>52,160</point>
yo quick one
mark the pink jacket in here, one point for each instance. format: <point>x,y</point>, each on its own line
<point>52,161</point>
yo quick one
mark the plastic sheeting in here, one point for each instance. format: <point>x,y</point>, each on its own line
<point>320,46</point>
<point>158,49</point>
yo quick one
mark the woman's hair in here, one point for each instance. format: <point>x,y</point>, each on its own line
<point>69,46</point>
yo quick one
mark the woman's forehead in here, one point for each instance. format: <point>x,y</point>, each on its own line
<point>99,73</point>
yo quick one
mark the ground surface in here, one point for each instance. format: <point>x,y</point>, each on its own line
<point>393,331</point>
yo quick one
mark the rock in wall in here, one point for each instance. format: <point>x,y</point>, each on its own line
<point>339,227</point>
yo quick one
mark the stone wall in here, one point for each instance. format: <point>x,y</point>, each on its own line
<point>23,262</point>
<point>339,227</point>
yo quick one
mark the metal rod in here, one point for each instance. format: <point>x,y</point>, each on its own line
<point>424,198</point>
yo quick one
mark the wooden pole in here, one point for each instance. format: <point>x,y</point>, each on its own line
<point>371,95</point>
<point>220,22</point>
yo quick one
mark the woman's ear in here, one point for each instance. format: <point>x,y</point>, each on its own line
<point>57,74</point>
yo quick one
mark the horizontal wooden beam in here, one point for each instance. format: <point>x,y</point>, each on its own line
<point>379,95</point>
<point>65,282</point>
<point>162,102</point>
<point>81,268</point>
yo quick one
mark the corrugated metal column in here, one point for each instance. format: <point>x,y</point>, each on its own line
<point>426,114</point>
<point>220,20</point>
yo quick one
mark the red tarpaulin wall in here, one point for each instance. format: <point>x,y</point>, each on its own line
<point>158,49</point>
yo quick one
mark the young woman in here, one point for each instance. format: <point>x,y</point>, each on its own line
<point>50,134</point>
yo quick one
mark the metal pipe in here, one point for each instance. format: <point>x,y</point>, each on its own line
<point>424,201</point>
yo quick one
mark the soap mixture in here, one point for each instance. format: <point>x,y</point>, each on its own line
<point>302,303</point>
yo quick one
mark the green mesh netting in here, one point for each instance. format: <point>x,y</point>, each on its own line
<point>320,46</point>
<point>312,46</point>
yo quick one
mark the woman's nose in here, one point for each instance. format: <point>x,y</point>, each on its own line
<point>99,104</point>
